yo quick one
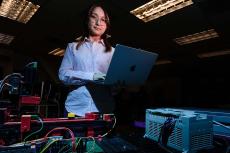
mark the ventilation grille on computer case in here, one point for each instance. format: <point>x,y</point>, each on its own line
<point>201,141</point>
<point>154,129</point>
<point>176,138</point>
<point>182,130</point>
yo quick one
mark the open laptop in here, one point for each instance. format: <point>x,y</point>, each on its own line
<point>129,66</point>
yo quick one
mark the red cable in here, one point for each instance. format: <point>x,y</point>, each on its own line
<point>70,132</point>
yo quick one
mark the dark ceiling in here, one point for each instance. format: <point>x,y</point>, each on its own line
<point>58,22</point>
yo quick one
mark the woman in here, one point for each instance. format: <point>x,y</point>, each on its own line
<point>85,60</point>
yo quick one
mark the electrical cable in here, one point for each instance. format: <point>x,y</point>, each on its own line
<point>48,145</point>
<point>218,123</point>
<point>6,77</point>
<point>165,132</point>
<point>101,136</point>
<point>76,144</point>
<point>63,148</point>
<point>47,97</point>
<point>93,145</point>
<point>70,132</point>
<point>40,120</point>
<point>66,145</point>
<point>32,63</point>
<point>2,87</point>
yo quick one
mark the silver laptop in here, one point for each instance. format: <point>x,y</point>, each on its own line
<point>129,66</point>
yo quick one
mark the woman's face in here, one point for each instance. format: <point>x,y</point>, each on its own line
<point>97,22</point>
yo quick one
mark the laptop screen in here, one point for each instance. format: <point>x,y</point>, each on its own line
<point>130,66</point>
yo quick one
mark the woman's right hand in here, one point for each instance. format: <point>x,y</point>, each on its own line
<point>99,76</point>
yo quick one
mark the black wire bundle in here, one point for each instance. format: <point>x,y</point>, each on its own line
<point>166,131</point>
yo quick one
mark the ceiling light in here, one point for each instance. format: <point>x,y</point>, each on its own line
<point>200,36</point>
<point>157,8</point>
<point>212,54</point>
<point>57,52</point>
<point>161,62</point>
<point>6,39</point>
<point>19,10</point>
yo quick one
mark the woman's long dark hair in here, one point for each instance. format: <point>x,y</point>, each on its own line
<point>105,35</point>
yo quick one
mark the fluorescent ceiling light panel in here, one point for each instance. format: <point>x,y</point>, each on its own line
<point>6,39</point>
<point>212,54</point>
<point>157,8</point>
<point>161,62</point>
<point>57,52</point>
<point>200,36</point>
<point>19,10</point>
